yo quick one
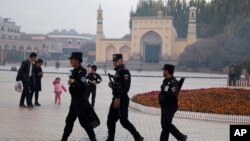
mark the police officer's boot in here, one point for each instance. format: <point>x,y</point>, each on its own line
<point>184,138</point>
<point>93,139</point>
<point>64,138</point>
<point>139,138</point>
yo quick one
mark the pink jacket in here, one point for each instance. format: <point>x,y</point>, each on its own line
<point>58,87</point>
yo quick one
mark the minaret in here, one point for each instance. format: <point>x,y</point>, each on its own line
<point>99,34</point>
<point>100,21</point>
<point>191,36</point>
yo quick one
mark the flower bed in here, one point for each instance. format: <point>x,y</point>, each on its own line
<point>213,100</point>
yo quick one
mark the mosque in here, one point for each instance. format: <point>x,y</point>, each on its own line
<point>152,40</point>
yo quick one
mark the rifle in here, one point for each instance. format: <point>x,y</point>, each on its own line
<point>180,83</point>
<point>110,78</point>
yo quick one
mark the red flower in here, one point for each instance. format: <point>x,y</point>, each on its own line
<point>212,100</point>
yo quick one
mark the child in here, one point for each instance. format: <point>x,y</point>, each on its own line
<point>93,79</point>
<point>88,69</point>
<point>58,89</point>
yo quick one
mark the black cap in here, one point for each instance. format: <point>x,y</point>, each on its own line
<point>76,55</point>
<point>94,67</point>
<point>116,57</point>
<point>168,67</point>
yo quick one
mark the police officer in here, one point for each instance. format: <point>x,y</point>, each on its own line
<point>168,100</point>
<point>120,102</point>
<point>79,106</point>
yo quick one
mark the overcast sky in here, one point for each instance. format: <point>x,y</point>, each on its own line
<point>42,16</point>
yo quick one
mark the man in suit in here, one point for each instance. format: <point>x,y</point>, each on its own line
<point>24,74</point>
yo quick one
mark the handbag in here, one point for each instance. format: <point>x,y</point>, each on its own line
<point>19,86</point>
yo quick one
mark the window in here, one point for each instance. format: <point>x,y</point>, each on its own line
<point>3,36</point>
<point>2,28</point>
<point>10,37</point>
<point>78,42</point>
<point>69,42</point>
<point>16,37</point>
<point>8,29</point>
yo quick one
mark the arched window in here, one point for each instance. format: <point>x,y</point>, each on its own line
<point>69,42</point>
<point>125,51</point>
<point>110,50</point>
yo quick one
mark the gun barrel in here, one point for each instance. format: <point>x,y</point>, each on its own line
<point>110,79</point>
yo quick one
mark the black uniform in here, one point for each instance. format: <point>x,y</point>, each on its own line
<point>92,87</point>
<point>80,106</point>
<point>168,100</point>
<point>121,86</point>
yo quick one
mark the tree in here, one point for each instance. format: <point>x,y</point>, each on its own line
<point>246,65</point>
<point>215,53</point>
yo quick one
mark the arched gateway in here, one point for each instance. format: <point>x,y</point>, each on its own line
<point>151,44</point>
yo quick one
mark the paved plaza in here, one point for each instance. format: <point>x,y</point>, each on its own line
<point>46,123</point>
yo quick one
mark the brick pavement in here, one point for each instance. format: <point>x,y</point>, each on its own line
<point>46,123</point>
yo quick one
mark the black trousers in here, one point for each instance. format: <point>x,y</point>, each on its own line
<point>78,110</point>
<point>25,94</point>
<point>36,95</point>
<point>167,126</point>
<point>92,90</point>
<point>232,82</point>
<point>122,114</point>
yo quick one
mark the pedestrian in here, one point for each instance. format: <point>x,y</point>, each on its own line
<point>119,106</point>
<point>105,69</point>
<point>58,89</point>
<point>57,65</point>
<point>232,77</point>
<point>93,79</point>
<point>24,74</point>
<point>36,84</point>
<point>45,64</point>
<point>79,107</point>
<point>168,100</point>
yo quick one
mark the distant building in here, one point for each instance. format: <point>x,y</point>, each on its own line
<point>71,40</point>
<point>153,39</point>
<point>54,45</point>
<point>49,47</point>
<point>9,29</point>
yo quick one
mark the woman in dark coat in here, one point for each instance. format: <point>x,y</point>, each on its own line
<point>36,84</point>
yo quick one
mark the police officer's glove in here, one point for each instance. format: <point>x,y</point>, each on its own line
<point>116,104</point>
<point>110,84</point>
